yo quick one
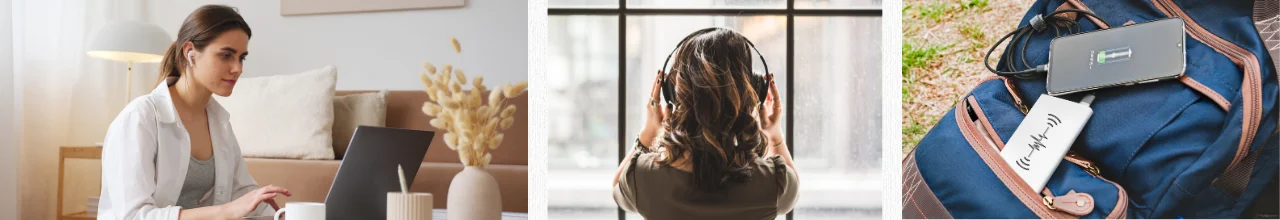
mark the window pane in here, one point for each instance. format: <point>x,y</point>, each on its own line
<point>583,120</point>
<point>651,38</point>
<point>837,4</point>
<point>706,4</point>
<point>837,116</point>
<point>582,4</point>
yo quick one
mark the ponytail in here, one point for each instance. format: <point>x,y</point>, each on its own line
<point>170,64</point>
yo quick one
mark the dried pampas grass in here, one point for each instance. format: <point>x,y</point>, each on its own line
<point>472,126</point>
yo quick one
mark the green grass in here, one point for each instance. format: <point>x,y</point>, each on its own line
<point>912,129</point>
<point>976,37</point>
<point>937,10</point>
<point>973,32</point>
<point>974,4</point>
<point>943,44</point>
<point>906,93</point>
<point>915,56</point>
<point>934,11</point>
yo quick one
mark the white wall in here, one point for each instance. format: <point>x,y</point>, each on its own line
<point>8,126</point>
<point>378,50</point>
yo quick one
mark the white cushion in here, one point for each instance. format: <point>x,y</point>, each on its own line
<point>284,116</point>
<point>353,110</point>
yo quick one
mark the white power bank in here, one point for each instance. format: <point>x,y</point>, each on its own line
<point>1044,137</point>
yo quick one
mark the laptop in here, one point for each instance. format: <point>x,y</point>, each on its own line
<point>368,171</point>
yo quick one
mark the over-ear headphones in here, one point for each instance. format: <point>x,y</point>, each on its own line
<point>760,81</point>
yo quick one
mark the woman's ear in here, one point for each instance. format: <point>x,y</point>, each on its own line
<point>188,47</point>
<point>188,52</point>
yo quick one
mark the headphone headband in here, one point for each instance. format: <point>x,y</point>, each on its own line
<point>667,95</point>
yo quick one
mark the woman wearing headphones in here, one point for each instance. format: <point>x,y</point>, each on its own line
<point>171,154</point>
<point>714,150</point>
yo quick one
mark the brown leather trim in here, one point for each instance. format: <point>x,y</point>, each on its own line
<point>989,130</point>
<point>1075,203</point>
<point>1251,87</point>
<point>1002,171</point>
<point>1121,210</point>
<point>1069,15</point>
<point>918,201</point>
<point>1217,98</point>
<point>1078,5</point>
<point>1013,91</point>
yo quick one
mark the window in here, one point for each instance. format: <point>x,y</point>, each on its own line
<point>824,53</point>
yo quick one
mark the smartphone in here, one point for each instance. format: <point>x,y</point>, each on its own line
<point>1121,56</point>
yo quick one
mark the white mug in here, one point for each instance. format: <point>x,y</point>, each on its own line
<point>302,211</point>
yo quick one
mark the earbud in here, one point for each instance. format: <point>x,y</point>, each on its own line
<point>190,57</point>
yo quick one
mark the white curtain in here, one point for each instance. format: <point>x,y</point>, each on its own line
<point>67,98</point>
<point>8,119</point>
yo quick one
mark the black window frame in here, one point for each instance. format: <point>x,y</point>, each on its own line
<point>621,11</point>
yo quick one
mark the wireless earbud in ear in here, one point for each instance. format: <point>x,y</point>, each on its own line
<point>190,58</point>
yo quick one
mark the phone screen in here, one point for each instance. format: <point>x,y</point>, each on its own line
<point>1120,56</point>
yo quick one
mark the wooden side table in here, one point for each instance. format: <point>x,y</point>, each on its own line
<point>74,152</point>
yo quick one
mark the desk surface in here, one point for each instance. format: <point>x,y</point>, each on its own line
<point>442,214</point>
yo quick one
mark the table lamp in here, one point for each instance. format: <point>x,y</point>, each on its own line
<point>129,41</point>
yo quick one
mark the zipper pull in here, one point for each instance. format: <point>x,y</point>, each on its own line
<point>1017,97</point>
<point>1088,166</point>
<point>1074,203</point>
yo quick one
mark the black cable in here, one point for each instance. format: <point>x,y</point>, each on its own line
<point>1024,33</point>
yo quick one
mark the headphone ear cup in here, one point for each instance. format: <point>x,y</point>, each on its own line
<point>668,90</point>
<point>761,84</point>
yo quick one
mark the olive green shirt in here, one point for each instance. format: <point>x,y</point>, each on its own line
<point>659,191</point>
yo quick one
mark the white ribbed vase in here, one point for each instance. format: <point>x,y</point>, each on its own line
<point>474,195</point>
<point>409,206</point>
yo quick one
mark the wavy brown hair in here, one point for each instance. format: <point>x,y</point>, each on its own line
<point>200,28</point>
<point>711,121</point>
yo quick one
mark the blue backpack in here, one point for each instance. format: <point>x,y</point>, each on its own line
<point>1201,146</point>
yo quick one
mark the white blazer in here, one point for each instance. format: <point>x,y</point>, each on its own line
<point>145,157</point>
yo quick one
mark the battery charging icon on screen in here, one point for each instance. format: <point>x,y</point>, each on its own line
<point>1114,55</point>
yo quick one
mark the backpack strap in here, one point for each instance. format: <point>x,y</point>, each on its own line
<point>1076,4</point>
<point>918,201</point>
<point>1266,17</point>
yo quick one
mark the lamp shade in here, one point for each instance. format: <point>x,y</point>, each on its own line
<point>129,41</point>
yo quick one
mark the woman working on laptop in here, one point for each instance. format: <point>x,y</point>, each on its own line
<point>171,154</point>
<point>714,150</point>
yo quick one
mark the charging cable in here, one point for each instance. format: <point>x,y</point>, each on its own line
<point>1023,34</point>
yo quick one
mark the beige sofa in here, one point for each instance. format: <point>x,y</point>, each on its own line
<point>309,180</point>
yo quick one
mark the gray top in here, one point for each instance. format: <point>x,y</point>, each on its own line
<point>200,175</point>
<point>658,191</point>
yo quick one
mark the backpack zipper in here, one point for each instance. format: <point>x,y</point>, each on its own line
<point>1250,88</point>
